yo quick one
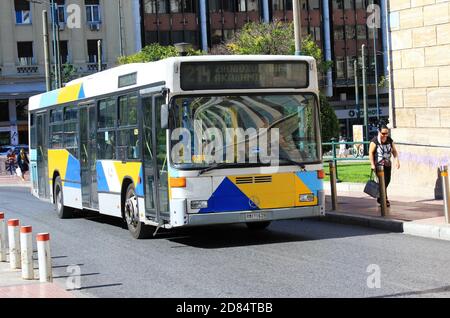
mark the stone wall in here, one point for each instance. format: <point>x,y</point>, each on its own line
<point>420,52</point>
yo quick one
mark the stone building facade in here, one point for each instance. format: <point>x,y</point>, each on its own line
<point>420,92</point>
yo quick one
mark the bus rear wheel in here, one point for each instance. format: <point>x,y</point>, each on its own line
<point>63,212</point>
<point>131,214</point>
<point>258,225</point>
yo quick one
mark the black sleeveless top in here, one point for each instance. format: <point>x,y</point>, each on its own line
<point>383,152</point>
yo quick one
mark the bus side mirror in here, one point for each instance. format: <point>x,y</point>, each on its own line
<point>164,116</point>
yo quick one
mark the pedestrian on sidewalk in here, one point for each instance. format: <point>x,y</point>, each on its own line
<point>23,162</point>
<point>381,150</point>
<point>11,162</point>
<point>342,147</point>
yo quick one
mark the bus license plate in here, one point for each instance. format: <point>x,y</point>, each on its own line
<point>258,216</point>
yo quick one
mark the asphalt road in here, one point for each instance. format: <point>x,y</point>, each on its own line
<point>295,258</point>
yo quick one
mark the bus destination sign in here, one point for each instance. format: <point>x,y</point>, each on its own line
<point>243,75</point>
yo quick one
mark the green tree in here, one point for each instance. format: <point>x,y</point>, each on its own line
<point>278,38</point>
<point>154,52</point>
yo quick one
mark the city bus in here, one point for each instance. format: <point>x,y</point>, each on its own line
<point>153,143</point>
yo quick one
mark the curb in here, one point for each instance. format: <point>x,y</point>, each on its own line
<point>15,185</point>
<point>390,225</point>
<point>429,231</point>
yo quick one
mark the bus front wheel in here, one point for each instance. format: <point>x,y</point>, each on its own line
<point>131,214</point>
<point>63,212</point>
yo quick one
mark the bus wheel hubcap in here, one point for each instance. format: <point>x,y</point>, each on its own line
<point>59,200</point>
<point>131,211</point>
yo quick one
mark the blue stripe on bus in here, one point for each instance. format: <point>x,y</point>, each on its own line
<point>68,184</point>
<point>73,171</point>
<point>311,180</point>
<point>102,184</point>
<point>228,197</point>
<point>81,94</point>
<point>49,99</point>
<point>140,185</point>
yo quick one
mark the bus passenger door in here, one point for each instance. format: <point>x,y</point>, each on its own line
<point>42,155</point>
<point>149,159</point>
<point>88,156</point>
<point>155,160</point>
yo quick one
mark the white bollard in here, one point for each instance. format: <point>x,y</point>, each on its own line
<point>26,251</point>
<point>44,257</point>
<point>3,234</point>
<point>14,243</point>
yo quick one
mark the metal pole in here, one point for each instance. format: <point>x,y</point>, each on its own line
<point>445,193</point>
<point>120,28</point>
<point>327,46</point>
<point>382,187</point>
<point>333,185</point>
<point>48,80</point>
<point>265,6</point>
<point>374,28</point>
<point>100,59</point>
<point>204,26</point>
<point>366,112</point>
<point>358,109</point>
<point>333,145</point>
<point>297,26</point>
<point>58,51</point>
<point>55,62</point>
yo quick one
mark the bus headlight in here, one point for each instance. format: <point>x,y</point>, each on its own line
<point>197,205</point>
<point>307,197</point>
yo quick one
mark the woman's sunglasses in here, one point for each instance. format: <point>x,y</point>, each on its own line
<point>384,134</point>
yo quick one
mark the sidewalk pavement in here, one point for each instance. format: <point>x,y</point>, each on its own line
<point>408,215</point>
<point>14,181</point>
<point>13,286</point>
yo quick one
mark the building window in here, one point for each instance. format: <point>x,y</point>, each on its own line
<point>314,4</point>
<point>315,32</point>
<point>92,10</point>
<point>61,10</point>
<point>338,32</point>
<point>4,111</point>
<point>182,6</point>
<point>348,4</point>
<point>23,14</point>
<point>359,4</point>
<point>278,5</point>
<point>5,138</point>
<point>22,109</point>
<point>92,50</point>
<point>63,51</point>
<point>340,71</point>
<point>350,68</point>
<point>25,53</point>
<point>361,32</point>
<point>159,6</point>
<point>338,4</point>
<point>350,32</point>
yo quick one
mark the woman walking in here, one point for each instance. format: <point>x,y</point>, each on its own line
<point>23,162</point>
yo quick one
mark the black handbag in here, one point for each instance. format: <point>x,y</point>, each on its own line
<point>372,187</point>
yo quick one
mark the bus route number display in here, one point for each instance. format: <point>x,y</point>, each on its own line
<point>243,75</point>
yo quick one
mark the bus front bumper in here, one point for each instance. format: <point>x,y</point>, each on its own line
<point>254,216</point>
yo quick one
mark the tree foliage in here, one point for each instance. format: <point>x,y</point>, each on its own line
<point>154,52</point>
<point>278,38</point>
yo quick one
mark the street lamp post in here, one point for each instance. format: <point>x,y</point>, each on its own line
<point>366,113</point>
<point>297,26</point>
<point>374,28</point>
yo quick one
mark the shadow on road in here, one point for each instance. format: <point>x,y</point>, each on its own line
<point>444,289</point>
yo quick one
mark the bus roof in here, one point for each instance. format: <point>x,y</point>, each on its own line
<point>137,75</point>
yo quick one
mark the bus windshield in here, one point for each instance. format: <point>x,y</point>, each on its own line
<point>200,120</point>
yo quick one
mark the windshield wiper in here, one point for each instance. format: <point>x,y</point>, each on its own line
<point>231,165</point>
<point>301,165</point>
<point>214,167</point>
